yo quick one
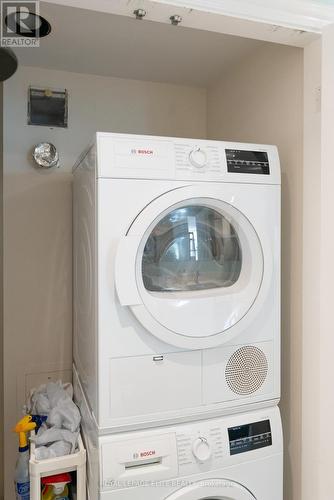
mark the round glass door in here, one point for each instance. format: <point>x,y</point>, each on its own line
<point>199,267</point>
<point>192,248</point>
<point>191,267</point>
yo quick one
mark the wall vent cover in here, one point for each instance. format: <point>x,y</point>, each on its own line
<point>47,107</point>
<point>246,370</point>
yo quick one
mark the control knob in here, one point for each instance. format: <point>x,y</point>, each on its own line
<point>201,449</point>
<point>198,158</point>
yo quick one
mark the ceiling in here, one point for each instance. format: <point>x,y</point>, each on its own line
<point>86,41</point>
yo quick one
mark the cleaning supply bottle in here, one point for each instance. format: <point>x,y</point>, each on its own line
<point>21,479</point>
<point>56,487</point>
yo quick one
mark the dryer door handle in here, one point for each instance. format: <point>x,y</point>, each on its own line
<point>125,271</point>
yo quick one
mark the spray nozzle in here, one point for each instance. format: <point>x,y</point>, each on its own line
<point>39,420</point>
<point>25,425</point>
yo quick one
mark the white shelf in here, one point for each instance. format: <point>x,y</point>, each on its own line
<point>76,462</point>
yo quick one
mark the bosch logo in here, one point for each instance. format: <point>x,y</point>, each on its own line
<point>148,453</point>
<point>143,454</point>
<point>147,152</point>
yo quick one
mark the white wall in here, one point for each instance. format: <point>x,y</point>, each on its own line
<point>311,274</point>
<point>37,211</point>
<point>323,334</point>
<point>318,263</point>
<point>261,100</point>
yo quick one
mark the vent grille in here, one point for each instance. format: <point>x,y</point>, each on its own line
<point>246,370</point>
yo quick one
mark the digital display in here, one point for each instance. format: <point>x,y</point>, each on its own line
<point>247,162</point>
<point>249,437</point>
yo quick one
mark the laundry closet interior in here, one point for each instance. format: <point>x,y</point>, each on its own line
<point>142,77</point>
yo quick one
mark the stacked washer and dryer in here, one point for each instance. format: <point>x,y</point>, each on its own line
<point>177,318</point>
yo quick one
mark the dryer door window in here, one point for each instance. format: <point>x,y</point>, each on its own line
<point>192,248</point>
<point>199,267</point>
<point>191,267</point>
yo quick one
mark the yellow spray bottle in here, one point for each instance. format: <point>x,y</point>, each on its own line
<point>21,479</point>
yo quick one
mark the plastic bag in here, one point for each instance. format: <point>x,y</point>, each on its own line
<point>65,415</point>
<point>59,434</point>
<point>49,436</point>
<point>57,449</point>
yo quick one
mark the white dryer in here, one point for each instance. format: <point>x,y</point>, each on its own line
<point>176,278</point>
<point>238,457</point>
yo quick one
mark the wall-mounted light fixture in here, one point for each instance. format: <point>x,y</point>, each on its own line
<point>45,155</point>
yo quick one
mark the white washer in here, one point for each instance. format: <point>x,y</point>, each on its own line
<point>176,278</point>
<point>238,457</point>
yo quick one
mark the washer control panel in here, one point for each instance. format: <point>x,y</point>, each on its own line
<point>194,158</point>
<point>212,445</point>
<point>247,162</point>
<point>201,448</point>
<point>198,157</point>
<point>190,448</point>
<point>243,438</point>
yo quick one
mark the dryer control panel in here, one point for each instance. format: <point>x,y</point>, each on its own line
<point>127,156</point>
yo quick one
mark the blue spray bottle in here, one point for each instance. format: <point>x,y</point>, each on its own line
<point>21,478</point>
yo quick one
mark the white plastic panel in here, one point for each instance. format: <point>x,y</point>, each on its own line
<point>88,431</point>
<point>126,458</point>
<point>204,318</point>
<point>85,275</point>
<point>155,389</point>
<point>142,157</point>
<point>140,459</point>
<point>153,157</point>
<point>126,286</point>
<point>122,335</point>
